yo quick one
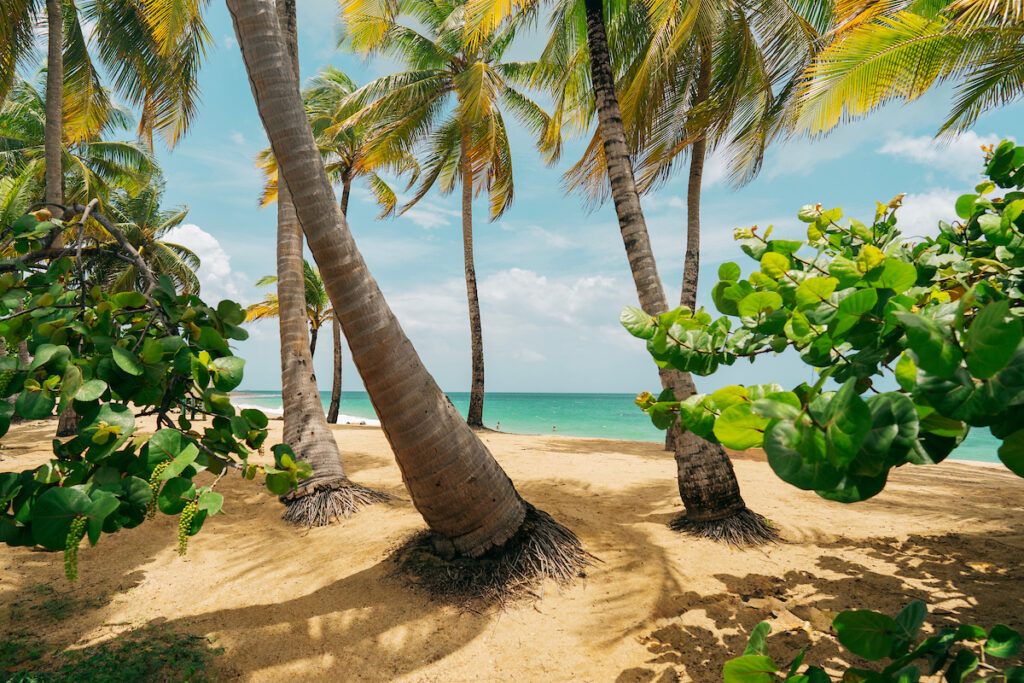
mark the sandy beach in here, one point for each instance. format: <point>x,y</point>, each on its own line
<point>323,604</point>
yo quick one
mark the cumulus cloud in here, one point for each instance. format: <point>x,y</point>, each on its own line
<point>920,213</point>
<point>960,155</point>
<point>216,276</point>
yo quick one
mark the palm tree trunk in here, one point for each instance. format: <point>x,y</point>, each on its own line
<point>691,263</point>
<point>335,407</point>
<point>314,332</point>
<point>332,412</point>
<point>707,482</point>
<point>346,189</point>
<point>465,497</point>
<point>328,493</point>
<point>54,133</point>
<point>147,121</point>
<point>475,416</point>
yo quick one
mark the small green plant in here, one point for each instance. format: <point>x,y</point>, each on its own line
<point>967,653</point>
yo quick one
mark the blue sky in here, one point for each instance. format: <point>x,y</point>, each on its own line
<point>553,275</point>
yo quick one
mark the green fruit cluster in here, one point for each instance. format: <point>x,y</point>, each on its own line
<point>154,487</point>
<point>185,526</point>
<point>75,535</point>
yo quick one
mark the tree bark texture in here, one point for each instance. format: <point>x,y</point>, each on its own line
<point>707,482</point>
<point>305,427</point>
<point>475,415</point>
<point>691,264</point>
<point>461,491</point>
<point>54,134</point>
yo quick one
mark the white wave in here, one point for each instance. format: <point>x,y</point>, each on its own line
<point>342,419</point>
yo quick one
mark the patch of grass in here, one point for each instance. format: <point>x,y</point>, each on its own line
<point>19,648</point>
<point>153,654</point>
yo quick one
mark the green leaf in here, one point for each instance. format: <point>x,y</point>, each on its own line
<point>210,340</point>
<point>774,265</point>
<point>758,642</point>
<point>844,271</point>
<point>229,372</point>
<point>34,404</point>
<point>911,618</point>
<point>126,360</point>
<point>174,495</point>
<point>1011,452</point>
<point>1002,642</point>
<point>279,483</point>
<point>211,502</point>
<point>758,304</point>
<point>896,275</point>
<point>103,504</point>
<point>814,290</point>
<point>165,444</point>
<point>933,348</point>
<point>729,271</point>
<point>849,420</point>
<point>965,205</point>
<point>52,515</point>
<point>738,428</point>
<point>182,461</point>
<point>991,339</point>
<point>906,372</point>
<point>867,634</point>
<point>750,669</point>
<point>859,303</point>
<point>894,425</point>
<point>637,323</point>
<point>781,440</point>
<point>91,390</point>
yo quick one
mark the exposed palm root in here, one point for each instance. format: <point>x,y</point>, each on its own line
<point>541,549</point>
<point>329,500</point>
<point>746,527</point>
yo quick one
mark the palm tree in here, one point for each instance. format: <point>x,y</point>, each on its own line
<point>467,500</point>
<point>144,223</point>
<point>92,167</point>
<point>450,102</point>
<point>343,146</point>
<point>671,104</point>
<point>899,50</point>
<point>328,493</point>
<point>318,304</point>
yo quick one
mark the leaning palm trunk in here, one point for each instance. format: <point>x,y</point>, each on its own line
<point>332,412</point>
<point>467,500</point>
<point>707,483</point>
<point>328,493</point>
<point>475,415</point>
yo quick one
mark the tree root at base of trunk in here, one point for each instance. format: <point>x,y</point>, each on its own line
<point>541,549</point>
<point>329,501</point>
<point>745,528</point>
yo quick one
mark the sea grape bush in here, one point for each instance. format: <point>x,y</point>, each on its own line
<point>110,356</point>
<point>967,653</point>
<point>941,316</point>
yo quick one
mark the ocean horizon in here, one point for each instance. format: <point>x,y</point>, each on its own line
<point>603,416</point>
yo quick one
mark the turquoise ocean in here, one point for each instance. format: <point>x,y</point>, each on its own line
<point>605,416</point>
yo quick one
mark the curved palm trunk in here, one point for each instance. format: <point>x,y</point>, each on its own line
<point>707,482</point>
<point>314,332</point>
<point>328,493</point>
<point>332,412</point>
<point>475,416</point>
<point>463,494</point>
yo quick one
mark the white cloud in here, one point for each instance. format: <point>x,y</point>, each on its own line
<point>921,212</point>
<point>228,41</point>
<point>960,155</point>
<point>427,218</point>
<point>237,138</point>
<point>216,277</point>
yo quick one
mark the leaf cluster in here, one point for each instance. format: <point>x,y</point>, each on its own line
<point>941,316</point>
<point>110,355</point>
<point>961,654</point>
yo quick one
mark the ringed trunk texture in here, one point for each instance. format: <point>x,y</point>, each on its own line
<point>314,332</point>
<point>707,482</point>
<point>475,415</point>
<point>54,133</point>
<point>332,413</point>
<point>463,494</point>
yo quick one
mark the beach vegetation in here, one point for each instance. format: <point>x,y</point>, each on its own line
<point>921,340</point>
<point>964,653</point>
<point>112,355</point>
